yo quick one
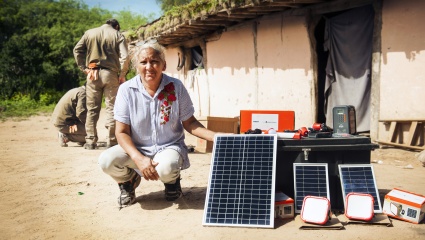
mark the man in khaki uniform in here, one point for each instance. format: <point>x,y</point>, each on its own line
<point>69,117</point>
<point>102,54</point>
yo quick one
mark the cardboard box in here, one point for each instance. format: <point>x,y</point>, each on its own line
<point>404,205</point>
<point>266,119</point>
<point>216,124</point>
<point>284,206</point>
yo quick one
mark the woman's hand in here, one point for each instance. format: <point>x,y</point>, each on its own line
<point>145,164</point>
<point>147,168</point>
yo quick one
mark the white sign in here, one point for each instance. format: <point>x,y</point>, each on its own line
<point>265,121</point>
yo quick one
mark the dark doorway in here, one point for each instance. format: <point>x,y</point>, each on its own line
<point>322,58</point>
<point>197,58</point>
<point>344,53</point>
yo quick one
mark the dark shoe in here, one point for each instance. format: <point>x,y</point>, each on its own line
<point>90,146</point>
<point>128,193</point>
<point>63,139</point>
<point>81,143</point>
<point>173,191</point>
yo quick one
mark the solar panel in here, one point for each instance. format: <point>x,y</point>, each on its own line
<point>359,178</point>
<point>241,186</point>
<point>310,179</point>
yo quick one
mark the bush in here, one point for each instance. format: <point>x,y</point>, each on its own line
<point>22,106</point>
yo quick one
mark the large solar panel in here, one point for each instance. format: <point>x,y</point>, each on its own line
<point>241,184</point>
<point>359,178</point>
<point>310,179</point>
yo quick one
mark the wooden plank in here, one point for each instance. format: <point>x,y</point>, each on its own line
<point>401,145</point>
<point>395,131</point>
<point>412,131</point>
<point>392,132</point>
<point>401,120</point>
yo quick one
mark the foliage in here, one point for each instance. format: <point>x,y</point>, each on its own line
<point>36,49</point>
<point>185,12</point>
<point>37,38</point>
<point>167,5</point>
<point>131,74</point>
<point>131,22</point>
<point>22,106</point>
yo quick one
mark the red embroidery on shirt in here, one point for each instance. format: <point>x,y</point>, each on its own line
<point>168,96</point>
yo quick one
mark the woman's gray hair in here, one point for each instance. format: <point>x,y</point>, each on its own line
<point>159,50</point>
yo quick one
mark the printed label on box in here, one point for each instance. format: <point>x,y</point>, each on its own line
<point>265,121</point>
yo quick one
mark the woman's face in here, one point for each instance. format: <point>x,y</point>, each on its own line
<point>150,65</point>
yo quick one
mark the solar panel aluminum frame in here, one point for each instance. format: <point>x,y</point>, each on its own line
<point>269,198</point>
<point>377,200</point>
<point>298,204</point>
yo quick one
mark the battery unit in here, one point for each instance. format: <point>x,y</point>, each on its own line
<point>344,119</point>
<point>284,206</point>
<point>404,205</point>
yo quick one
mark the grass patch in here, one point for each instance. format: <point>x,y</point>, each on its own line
<point>21,107</point>
<point>20,111</point>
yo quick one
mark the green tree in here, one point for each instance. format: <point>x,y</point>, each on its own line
<point>130,22</point>
<point>168,4</point>
<point>36,49</point>
<point>37,38</point>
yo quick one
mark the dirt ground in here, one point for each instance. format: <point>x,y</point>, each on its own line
<point>50,192</point>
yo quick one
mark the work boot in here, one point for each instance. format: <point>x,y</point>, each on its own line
<point>128,193</point>
<point>90,146</point>
<point>63,139</point>
<point>173,191</point>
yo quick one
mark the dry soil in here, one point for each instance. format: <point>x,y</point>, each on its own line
<point>53,192</point>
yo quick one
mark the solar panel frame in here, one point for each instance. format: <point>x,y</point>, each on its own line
<point>314,183</point>
<point>241,185</point>
<point>370,187</point>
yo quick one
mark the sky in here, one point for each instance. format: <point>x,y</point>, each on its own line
<point>142,7</point>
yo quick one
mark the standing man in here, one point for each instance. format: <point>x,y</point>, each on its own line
<point>102,54</point>
<point>69,117</point>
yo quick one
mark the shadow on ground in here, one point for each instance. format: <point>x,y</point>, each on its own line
<point>193,198</point>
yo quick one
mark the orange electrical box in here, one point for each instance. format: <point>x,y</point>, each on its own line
<point>266,119</point>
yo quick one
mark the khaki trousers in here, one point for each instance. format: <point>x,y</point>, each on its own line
<point>78,136</point>
<point>116,163</point>
<point>107,85</point>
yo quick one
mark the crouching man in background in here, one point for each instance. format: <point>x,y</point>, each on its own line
<point>69,117</point>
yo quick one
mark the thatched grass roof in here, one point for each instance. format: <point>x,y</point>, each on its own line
<point>204,17</point>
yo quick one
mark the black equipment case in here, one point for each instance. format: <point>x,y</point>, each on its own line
<point>333,151</point>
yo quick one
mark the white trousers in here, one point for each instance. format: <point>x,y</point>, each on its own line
<point>116,163</point>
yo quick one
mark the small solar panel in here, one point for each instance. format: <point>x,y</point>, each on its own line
<point>241,186</point>
<point>310,179</point>
<point>359,178</point>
